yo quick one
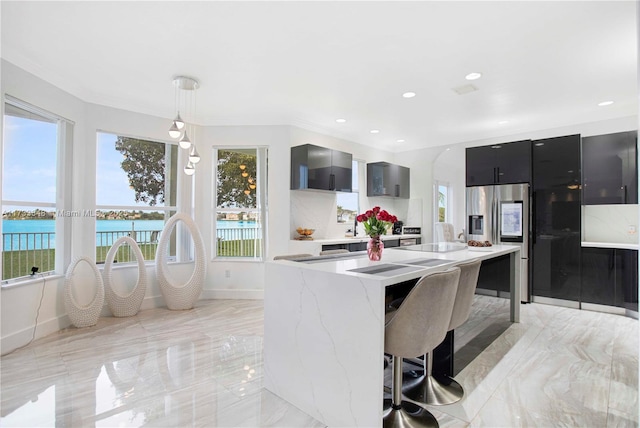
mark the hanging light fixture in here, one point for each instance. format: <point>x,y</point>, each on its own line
<point>185,142</point>
<point>190,169</point>
<point>194,156</point>
<point>185,103</point>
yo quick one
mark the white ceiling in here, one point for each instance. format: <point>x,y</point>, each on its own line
<point>544,64</point>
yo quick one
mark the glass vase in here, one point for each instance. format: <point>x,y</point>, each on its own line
<point>374,248</point>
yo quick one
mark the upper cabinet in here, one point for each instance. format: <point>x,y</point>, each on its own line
<point>320,168</point>
<point>387,179</point>
<point>506,163</point>
<point>610,169</point>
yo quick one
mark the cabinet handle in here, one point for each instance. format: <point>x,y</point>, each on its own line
<point>498,174</point>
<point>397,190</point>
<point>624,195</point>
<point>332,182</point>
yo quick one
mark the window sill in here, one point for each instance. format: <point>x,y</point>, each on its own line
<point>29,280</point>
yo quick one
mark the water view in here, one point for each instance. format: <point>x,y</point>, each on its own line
<point>42,232</point>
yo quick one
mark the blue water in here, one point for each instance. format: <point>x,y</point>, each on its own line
<point>142,227</point>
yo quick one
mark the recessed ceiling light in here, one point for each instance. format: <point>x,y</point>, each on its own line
<point>503,122</point>
<point>605,103</point>
<point>473,76</point>
<point>375,131</point>
<point>399,141</point>
<point>341,120</point>
<point>539,144</point>
<point>409,94</point>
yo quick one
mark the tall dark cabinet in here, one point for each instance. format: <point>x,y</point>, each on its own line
<point>556,221</point>
<point>610,169</point>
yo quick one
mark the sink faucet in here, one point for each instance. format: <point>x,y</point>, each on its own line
<point>355,227</point>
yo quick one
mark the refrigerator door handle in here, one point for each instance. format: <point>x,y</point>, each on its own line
<point>533,218</point>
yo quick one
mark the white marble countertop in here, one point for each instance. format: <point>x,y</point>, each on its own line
<point>618,245</point>
<point>359,238</point>
<point>395,257</point>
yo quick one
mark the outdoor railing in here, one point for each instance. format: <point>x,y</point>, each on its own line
<point>239,242</point>
<point>22,251</point>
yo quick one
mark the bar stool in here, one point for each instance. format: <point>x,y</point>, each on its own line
<point>417,327</point>
<point>445,390</point>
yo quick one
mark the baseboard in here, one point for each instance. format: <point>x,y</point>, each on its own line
<point>21,338</point>
<point>555,302</point>
<point>602,308</point>
<point>232,294</point>
<point>485,292</point>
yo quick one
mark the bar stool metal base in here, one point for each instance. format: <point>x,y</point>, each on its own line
<point>407,415</point>
<point>436,392</point>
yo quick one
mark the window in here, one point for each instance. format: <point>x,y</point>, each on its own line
<point>442,202</point>
<point>136,187</point>
<point>347,203</point>
<point>34,153</point>
<point>240,214</point>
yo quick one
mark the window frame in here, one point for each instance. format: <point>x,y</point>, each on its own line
<point>262,161</point>
<point>63,184</point>
<point>183,245</point>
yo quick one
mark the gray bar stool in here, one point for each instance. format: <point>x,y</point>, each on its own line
<point>426,388</point>
<point>417,327</point>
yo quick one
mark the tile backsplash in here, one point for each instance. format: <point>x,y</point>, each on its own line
<point>610,223</point>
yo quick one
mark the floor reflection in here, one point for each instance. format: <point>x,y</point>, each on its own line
<point>159,373</point>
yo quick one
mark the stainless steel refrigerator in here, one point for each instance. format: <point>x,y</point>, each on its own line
<point>501,214</point>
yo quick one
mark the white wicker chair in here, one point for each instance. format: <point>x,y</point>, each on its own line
<point>176,296</point>
<point>83,316</point>
<point>127,305</point>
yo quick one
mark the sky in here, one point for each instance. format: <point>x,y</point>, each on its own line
<point>29,169</point>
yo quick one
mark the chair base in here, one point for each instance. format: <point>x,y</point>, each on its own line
<point>432,391</point>
<point>406,416</point>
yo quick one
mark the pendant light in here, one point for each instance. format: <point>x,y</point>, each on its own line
<point>194,156</point>
<point>185,142</point>
<point>185,102</point>
<point>190,169</point>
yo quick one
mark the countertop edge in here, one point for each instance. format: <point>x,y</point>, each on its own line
<point>618,245</point>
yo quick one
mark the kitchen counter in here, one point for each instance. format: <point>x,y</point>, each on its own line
<point>324,326</point>
<point>315,246</point>
<point>359,238</point>
<point>617,245</point>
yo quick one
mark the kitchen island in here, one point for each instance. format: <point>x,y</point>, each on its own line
<point>324,326</point>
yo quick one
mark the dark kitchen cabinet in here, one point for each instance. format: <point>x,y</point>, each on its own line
<point>494,275</point>
<point>610,277</point>
<point>610,169</point>
<point>320,168</point>
<point>387,179</point>
<point>506,163</point>
<point>628,275</point>
<point>556,218</point>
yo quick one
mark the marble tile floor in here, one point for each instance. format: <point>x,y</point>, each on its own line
<point>203,367</point>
